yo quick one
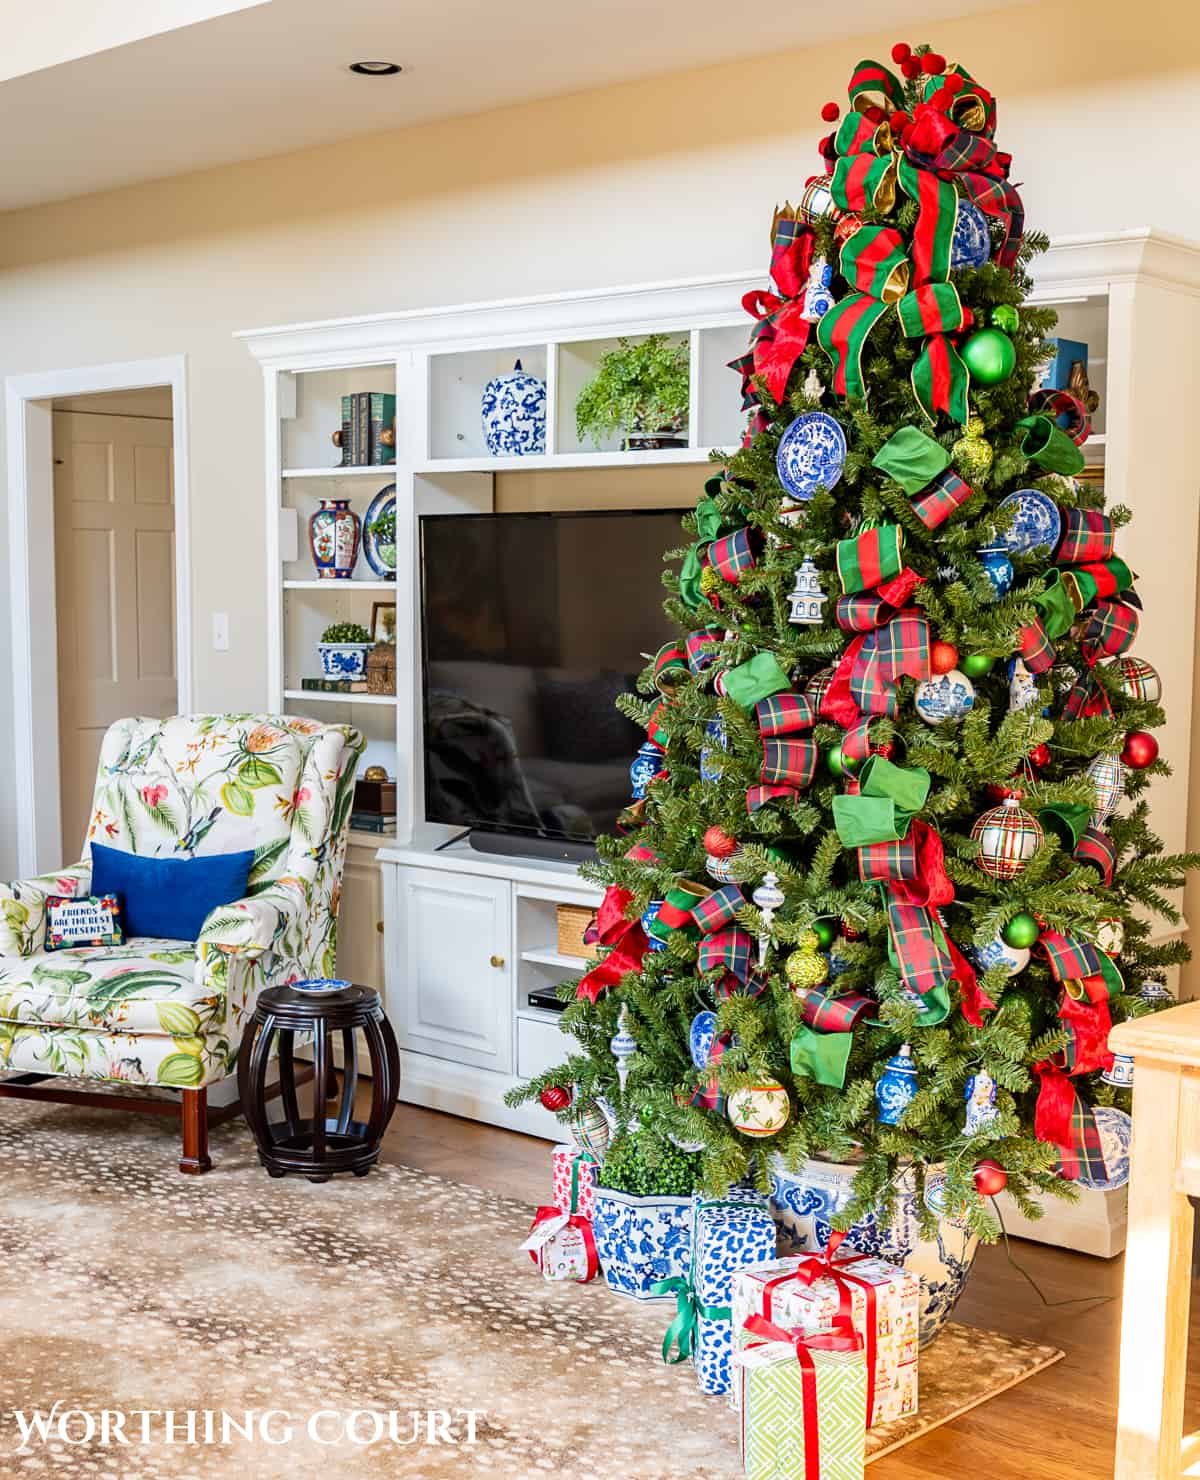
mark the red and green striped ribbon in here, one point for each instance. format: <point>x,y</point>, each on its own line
<point>933,308</point>
<point>874,262</point>
<point>870,557</point>
<point>864,181</point>
<point>873,84</point>
<point>937,204</point>
<point>842,333</point>
<point>940,380</point>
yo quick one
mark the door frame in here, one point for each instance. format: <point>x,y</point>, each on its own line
<point>32,600</point>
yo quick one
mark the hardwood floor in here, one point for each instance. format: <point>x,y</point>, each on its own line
<point>1057,1426</point>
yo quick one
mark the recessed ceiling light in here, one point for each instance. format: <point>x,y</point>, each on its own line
<point>375,69</point>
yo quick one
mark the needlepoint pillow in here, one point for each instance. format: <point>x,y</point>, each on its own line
<point>169,897</point>
<point>92,921</point>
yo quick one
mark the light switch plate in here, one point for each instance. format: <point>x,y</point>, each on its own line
<point>220,631</point>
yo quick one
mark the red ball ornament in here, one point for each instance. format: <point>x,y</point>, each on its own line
<point>943,656</point>
<point>989,1178</point>
<point>831,112</point>
<point>887,750</point>
<point>901,52</point>
<point>899,121</point>
<point>911,68</point>
<point>1039,756</point>
<point>953,83</point>
<point>999,793</point>
<point>554,1097</point>
<point>874,114</point>
<point>1140,751</point>
<point>932,64</point>
<point>718,843</point>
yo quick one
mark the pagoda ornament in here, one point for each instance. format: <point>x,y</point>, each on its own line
<point>807,598</point>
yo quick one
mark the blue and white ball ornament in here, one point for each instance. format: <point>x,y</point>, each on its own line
<point>944,696</point>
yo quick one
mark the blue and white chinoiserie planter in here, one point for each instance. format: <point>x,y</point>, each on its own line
<point>646,765</point>
<point>805,1203</point>
<point>514,414</point>
<point>971,244</point>
<point>811,455</point>
<point>344,659</point>
<point>999,571</point>
<point>641,1240</point>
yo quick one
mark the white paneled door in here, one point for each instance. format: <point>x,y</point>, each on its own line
<point>114,540</point>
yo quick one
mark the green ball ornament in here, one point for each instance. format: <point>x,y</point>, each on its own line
<point>989,356</point>
<point>805,969</point>
<point>975,665</point>
<point>1004,316</point>
<point>839,764</point>
<point>1021,932</point>
<point>825,933</point>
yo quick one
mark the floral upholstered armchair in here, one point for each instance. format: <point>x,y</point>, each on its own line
<point>170,1013</point>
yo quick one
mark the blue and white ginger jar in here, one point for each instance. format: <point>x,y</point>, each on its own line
<point>896,1087</point>
<point>514,414</point>
<point>646,765</point>
<point>999,570</point>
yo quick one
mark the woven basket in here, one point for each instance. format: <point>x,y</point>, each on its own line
<point>573,920</point>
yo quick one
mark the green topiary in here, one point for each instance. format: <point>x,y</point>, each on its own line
<point>342,632</point>
<point>644,1165</point>
<point>640,387</point>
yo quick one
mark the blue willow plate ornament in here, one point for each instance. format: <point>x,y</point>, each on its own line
<point>971,244</point>
<point>379,533</point>
<point>700,1037</point>
<point>811,454</point>
<point>1036,522</point>
<point>1116,1137</point>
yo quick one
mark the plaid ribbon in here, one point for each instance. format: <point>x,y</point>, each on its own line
<point>781,331</point>
<point>1063,1120</point>
<point>793,762</point>
<point>759,795</point>
<point>862,612</point>
<point>878,862</point>
<point>1036,648</point>
<point>936,503</point>
<point>920,946</point>
<point>701,648</point>
<point>1088,697</point>
<point>719,909</point>
<point>834,1014</point>
<point>1111,628</point>
<point>856,742</point>
<point>1087,537</point>
<point>783,714</point>
<point>1066,410</point>
<point>726,950</point>
<point>937,144</point>
<point>1097,848</point>
<point>1067,956</point>
<point>733,554</point>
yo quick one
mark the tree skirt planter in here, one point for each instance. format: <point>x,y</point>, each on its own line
<point>805,1202</point>
<point>641,1240</point>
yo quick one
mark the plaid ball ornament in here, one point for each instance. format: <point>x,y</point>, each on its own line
<point>1008,837</point>
<point>1139,680</point>
<point>1107,775</point>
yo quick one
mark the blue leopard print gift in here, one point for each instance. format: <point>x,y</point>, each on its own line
<point>728,1234</point>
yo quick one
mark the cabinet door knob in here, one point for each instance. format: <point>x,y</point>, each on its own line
<point>497,961</point>
<point>379,926</point>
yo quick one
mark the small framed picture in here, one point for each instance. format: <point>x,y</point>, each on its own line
<point>383,621</point>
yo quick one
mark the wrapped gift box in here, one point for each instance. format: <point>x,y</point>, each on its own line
<point>773,1291</point>
<point>728,1234</point>
<point>574,1170</point>
<point>562,1247</point>
<point>776,1429</point>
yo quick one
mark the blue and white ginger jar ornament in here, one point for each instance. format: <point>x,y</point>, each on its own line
<point>514,414</point>
<point>700,1037</point>
<point>646,765</point>
<point>999,570</point>
<point>1120,1076</point>
<point>896,1087</point>
<point>649,915</point>
<point>818,291</point>
<point>715,740</point>
<point>971,244</point>
<point>944,696</point>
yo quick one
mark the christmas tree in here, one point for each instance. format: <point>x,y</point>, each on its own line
<point>876,898</point>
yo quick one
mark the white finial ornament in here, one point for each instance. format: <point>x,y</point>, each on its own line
<point>622,1045</point>
<point>769,898</point>
<point>806,597</point>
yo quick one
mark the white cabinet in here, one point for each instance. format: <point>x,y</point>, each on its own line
<point>454,996</point>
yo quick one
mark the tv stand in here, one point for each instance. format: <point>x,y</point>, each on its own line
<point>530,845</point>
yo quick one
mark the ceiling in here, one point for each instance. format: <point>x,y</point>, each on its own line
<point>270,78</point>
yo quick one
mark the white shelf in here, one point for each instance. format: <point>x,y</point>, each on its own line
<point>374,470</point>
<point>365,838</point>
<point>540,1015</point>
<point>564,460</point>
<point>351,585</point>
<point>547,957</point>
<point>319,696</point>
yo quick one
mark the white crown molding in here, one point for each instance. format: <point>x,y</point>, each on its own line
<point>1074,267</point>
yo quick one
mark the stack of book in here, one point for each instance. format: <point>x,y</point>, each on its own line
<point>374,806</point>
<point>366,417</point>
<point>334,685</point>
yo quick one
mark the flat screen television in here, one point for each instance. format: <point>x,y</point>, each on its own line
<point>532,625</point>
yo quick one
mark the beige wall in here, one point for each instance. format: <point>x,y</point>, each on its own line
<point>675,177</point>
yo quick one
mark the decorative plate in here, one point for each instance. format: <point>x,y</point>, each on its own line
<point>700,1037</point>
<point>971,244</point>
<point>811,454</point>
<point>379,545</point>
<point>319,986</point>
<point>1116,1137</point>
<point>1037,522</point>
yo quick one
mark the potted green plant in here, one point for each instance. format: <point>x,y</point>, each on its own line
<point>640,389</point>
<point>642,1218</point>
<point>344,647</point>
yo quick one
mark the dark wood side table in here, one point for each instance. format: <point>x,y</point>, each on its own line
<point>319,1144</point>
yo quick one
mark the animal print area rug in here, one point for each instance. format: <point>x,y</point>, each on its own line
<point>236,1327</point>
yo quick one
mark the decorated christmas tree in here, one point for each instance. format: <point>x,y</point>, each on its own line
<point>889,874</point>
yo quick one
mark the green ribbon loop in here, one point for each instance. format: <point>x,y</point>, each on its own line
<point>681,1333</point>
<point>1049,446</point>
<point>821,1056</point>
<point>756,679</point>
<point>689,577</point>
<point>1055,606</point>
<point>912,458</point>
<point>889,797</point>
<point>1068,821</point>
<point>708,517</point>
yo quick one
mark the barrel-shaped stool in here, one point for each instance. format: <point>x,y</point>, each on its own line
<point>318,1145</point>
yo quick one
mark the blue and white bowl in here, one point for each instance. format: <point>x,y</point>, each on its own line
<point>320,986</point>
<point>514,414</point>
<point>811,454</point>
<point>971,244</point>
<point>1037,522</point>
<point>945,696</point>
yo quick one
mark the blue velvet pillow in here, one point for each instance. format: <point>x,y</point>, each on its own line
<point>170,897</point>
